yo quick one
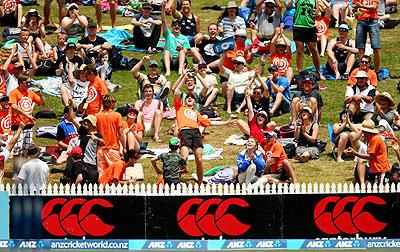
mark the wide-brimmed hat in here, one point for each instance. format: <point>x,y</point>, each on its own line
<point>69,6</point>
<point>241,59</point>
<point>31,11</point>
<point>368,126</point>
<point>231,4</point>
<point>92,119</point>
<point>383,95</point>
<point>281,41</point>
<point>32,150</point>
<point>361,74</point>
<point>306,108</point>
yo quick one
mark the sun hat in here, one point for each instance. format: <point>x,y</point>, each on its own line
<point>231,4</point>
<point>382,95</point>
<point>344,26</point>
<point>369,126</point>
<point>241,59</point>
<point>92,119</point>
<point>306,108</point>
<point>361,74</point>
<point>262,112</point>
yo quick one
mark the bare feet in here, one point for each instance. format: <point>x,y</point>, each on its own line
<point>339,160</point>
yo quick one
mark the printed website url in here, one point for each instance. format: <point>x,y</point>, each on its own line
<point>383,244</point>
<point>88,245</point>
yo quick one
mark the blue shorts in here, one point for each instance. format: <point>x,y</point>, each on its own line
<point>364,27</point>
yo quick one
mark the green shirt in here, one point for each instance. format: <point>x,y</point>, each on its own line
<point>303,17</point>
<point>172,161</point>
<point>172,41</point>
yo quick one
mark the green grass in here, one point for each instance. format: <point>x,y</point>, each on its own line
<point>323,170</point>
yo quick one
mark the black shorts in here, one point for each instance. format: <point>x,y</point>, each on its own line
<point>359,118</point>
<point>191,138</point>
<point>237,100</point>
<point>305,34</point>
<point>377,177</point>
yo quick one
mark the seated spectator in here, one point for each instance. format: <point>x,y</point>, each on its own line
<point>342,132</point>
<point>204,47</point>
<point>359,99</point>
<point>268,19</point>
<point>62,63</point>
<point>97,89</point>
<point>66,131</point>
<point>82,173</point>
<point>237,80</point>
<point>306,134</point>
<point>74,24</point>
<point>190,22</point>
<point>322,24</point>
<point>11,13</point>
<point>383,17</point>
<point>160,84</point>
<point>114,174</point>
<point>240,49</point>
<point>340,9</point>
<point>37,33</point>
<point>250,163</point>
<point>307,96</point>
<point>365,64</point>
<point>230,21</point>
<point>60,48</point>
<point>92,45</point>
<point>176,45</point>
<point>133,130</point>
<point>374,152</point>
<point>147,29</point>
<point>35,171</point>
<point>206,84</point>
<point>6,149</point>
<point>172,164</point>
<point>257,123</point>
<point>25,48</point>
<point>341,53</point>
<point>104,70</point>
<point>150,113</point>
<point>384,115</point>
<point>281,55</point>
<point>77,86</point>
<point>279,90</point>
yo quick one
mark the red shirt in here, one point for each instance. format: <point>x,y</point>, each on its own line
<point>257,132</point>
<point>5,121</point>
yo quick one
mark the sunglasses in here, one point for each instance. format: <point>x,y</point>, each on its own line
<point>343,30</point>
<point>364,62</point>
<point>235,62</point>
<point>257,93</point>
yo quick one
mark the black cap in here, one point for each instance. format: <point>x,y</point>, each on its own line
<point>71,45</point>
<point>92,24</point>
<point>147,5</point>
<point>272,67</point>
<point>190,95</point>
<point>3,97</point>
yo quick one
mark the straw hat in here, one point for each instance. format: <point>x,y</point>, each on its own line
<point>382,95</point>
<point>369,126</point>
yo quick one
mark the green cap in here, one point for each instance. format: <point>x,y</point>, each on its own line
<point>174,141</point>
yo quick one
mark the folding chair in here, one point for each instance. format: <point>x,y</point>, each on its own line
<point>332,139</point>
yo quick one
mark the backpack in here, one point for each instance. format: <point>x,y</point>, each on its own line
<point>290,150</point>
<point>394,174</point>
<point>45,68</point>
<point>90,175</point>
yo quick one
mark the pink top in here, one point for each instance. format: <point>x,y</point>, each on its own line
<point>148,110</point>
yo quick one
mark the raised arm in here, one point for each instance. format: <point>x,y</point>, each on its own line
<point>178,84</point>
<point>163,18</point>
<point>135,69</point>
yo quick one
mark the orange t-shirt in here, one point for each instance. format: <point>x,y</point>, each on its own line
<point>3,85</point>
<point>373,79</point>
<point>115,171</point>
<point>367,13</point>
<point>25,100</point>
<point>282,61</point>
<point>379,161</point>
<point>228,63</point>
<point>138,126</point>
<point>96,90</point>
<point>322,25</point>
<point>187,117</point>
<point>5,121</point>
<point>108,124</point>
<point>275,151</point>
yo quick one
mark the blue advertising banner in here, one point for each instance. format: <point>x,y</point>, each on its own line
<point>4,216</point>
<point>223,45</point>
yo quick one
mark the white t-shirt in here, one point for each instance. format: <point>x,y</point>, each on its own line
<point>239,80</point>
<point>369,91</point>
<point>34,172</point>
<point>210,79</point>
<point>12,83</point>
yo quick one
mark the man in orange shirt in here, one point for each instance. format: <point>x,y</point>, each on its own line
<point>109,125</point>
<point>365,66</point>
<point>376,154</point>
<point>115,172</point>
<point>5,117</point>
<point>366,12</point>
<point>97,89</point>
<point>22,102</point>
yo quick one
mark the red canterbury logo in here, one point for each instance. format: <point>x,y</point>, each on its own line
<point>349,222</point>
<point>85,223</point>
<point>204,223</point>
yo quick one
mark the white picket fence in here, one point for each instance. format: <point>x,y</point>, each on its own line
<point>190,190</point>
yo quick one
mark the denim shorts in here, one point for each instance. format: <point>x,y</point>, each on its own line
<point>364,27</point>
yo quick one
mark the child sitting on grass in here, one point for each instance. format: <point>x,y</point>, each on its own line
<point>173,163</point>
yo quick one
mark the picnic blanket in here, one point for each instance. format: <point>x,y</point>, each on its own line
<point>51,85</point>
<point>235,140</point>
<point>209,153</point>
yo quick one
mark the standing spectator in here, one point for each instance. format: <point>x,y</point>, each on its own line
<point>375,151</point>
<point>176,45</point>
<point>150,113</point>
<point>113,14</point>
<point>92,45</point>
<point>172,161</point>
<point>341,54</point>
<point>114,173</point>
<point>109,125</point>
<point>304,31</point>
<point>11,14</point>
<point>204,49</point>
<point>147,29</point>
<point>46,12</point>
<point>365,65</point>
<point>306,134</point>
<point>281,55</point>
<point>5,150</point>
<point>279,89</point>
<point>74,24</point>
<point>230,21</point>
<point>367,23</point>
<point>360,99</point>
<point>190,22</point>
<point>250,163</point>
<point>35,171</point>
<point>22,102</point>
<point>97,89</point>
<point>322,22</point>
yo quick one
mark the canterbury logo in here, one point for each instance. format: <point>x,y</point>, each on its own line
<point>349,222</point>
<point>64,223</point>
<point>212,224</point>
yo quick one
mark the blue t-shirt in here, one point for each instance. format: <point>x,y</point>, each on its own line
<point>282,82</point>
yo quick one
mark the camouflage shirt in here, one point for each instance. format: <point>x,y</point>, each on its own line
<point>172,161</point>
